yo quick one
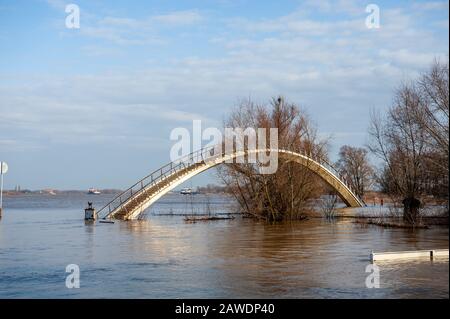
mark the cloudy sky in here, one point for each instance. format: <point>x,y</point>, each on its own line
<point>94,106</point>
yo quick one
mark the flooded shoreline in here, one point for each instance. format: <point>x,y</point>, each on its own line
<point>166,257</point>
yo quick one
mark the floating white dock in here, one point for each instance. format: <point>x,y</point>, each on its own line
<point>408,254</point>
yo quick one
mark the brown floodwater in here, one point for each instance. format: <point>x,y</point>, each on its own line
<point>165,257</point>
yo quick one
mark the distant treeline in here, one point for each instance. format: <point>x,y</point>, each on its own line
<point>55,191</point>
<point>211,189</point>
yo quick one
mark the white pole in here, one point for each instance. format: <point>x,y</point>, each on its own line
<point>1,191</point>
<point>3,170</point>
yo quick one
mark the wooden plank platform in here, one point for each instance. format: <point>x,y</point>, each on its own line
<point>430,254</point>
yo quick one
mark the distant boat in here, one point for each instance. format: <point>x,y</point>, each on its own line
<point>93,191</point>
<point>187,191</point>
<point>48,192</point>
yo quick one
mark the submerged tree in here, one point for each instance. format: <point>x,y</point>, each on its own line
<point>412,140</point>
<point>399,142</point>
<point>284,194</point>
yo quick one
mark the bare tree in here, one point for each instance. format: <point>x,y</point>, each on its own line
<point>354,166</point>
<point>432,115</point>
<point>284,194</point>
<point>328,205</point>
<point>433,112</point>
<point>412,140</point>
<point>401,143</point>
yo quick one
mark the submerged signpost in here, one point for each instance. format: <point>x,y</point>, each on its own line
<point>3,170</point>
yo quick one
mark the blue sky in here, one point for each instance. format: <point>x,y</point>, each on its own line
<point>95,106</point>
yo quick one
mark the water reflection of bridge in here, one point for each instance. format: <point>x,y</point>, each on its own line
<point>132,202</point>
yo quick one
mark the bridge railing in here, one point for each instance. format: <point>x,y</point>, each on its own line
<point>203,155</point>
<point>334,171</point>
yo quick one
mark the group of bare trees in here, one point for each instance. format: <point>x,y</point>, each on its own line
<point>412,139</point>
<point>284,194</point>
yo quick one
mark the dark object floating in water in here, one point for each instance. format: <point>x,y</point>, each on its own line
<point>389,224</point>
<point>106,221</point>
<point>194,219</point>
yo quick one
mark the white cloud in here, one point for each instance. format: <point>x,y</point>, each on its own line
<point>57,4</point>
<point>337,68</point>
<point>349,7</point>
<point>406,57</point>
<point>431,5</point>
<point>179,18</point>
<point>19,145</point>
<point>131,31</point>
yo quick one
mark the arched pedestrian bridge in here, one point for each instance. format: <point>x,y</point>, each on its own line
<point>132,202</point>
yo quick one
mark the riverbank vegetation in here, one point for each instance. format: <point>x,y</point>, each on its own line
<point>411,139</point>
<point>284,194</point>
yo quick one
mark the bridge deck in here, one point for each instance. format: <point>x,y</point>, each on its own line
<point>133,201</point>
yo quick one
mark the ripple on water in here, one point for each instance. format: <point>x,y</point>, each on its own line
<point>163,257</point>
